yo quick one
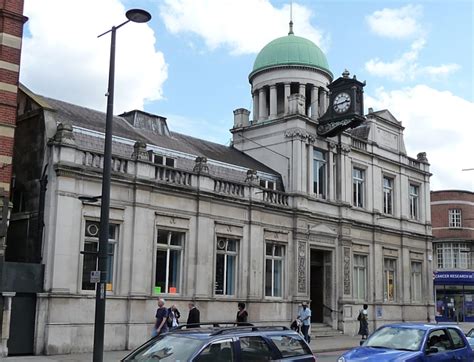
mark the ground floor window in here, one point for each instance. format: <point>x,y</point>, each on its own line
<point>390,273</point>
<point>416,280</point>
<point>226,265</point>
<point>360,277</point>
<point>274,258</point>
<point>91,246</point>
<point>454,303</point>
<point>168,261</point>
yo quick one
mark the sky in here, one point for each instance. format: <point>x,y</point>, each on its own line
<point>191,62</point>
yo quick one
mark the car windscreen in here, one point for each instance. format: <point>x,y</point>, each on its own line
<point>290,346</point>
<point>408,339</point>
<point>167,348</point>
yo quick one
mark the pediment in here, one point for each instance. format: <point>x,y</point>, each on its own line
<point>322,229</point>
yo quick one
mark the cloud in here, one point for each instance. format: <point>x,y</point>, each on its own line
<point>407,67</point>
<point>396,23</point>
<point>438,123</point>
<point>243,26</point>
<point>63,58</point>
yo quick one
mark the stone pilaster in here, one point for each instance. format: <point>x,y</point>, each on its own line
<point>6,310</point>
<point>273,101</point>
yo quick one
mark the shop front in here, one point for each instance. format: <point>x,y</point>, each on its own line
<point>454,294</point>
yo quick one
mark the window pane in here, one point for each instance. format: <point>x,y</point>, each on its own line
<point>92,229</point>
<point>162,237</point>
<point>230,280</point>
<point>89,264</point>
<point>159,159</point>
<point>269,249</point>
<point>176,238</point>
<point>220,268</point>
<point>254,348</point>
<point>278,278</point>
<point>278,250</point>
<point>169,162</point>
<point>160,273</point>
<point>268,277</point>
<point>457,339</point>
<point>110,262</point>
<point>173,274</point>
<point>290,346</point>
<point>219,351</point>
<point>231,245</point>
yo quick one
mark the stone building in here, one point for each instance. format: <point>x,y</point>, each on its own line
<point>453,244</point>
<point>279,217</point>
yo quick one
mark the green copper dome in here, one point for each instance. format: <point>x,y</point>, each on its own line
<point>290,50</point>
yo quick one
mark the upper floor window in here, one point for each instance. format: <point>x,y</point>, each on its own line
<point>319,173</point>
<point>226,265</point>
<point>168,260</point>
<point>455,218</point>
<point>91,246</point>
<point>387,195</point>
<point>452,255</point>
<point>358,185</point>
<point>414,201</point>
<point>268,184</point>
<point>274,256</point>
<point>163,160</point>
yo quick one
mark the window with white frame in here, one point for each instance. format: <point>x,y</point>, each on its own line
<point>226,266</point>
<point>90,260</point>
<point>454,218</point>
<point>416,280</point>
<point>274,263</point>
<point>267,184</point>
<point>358,185</point>
<point>414,201</point>
<point>452,255</point>
<point>387,195</point>
<point>319,173</point>
<point>163,160</point>
<point>169,250</point>
<point>390,275</point>
<point>360,277</point>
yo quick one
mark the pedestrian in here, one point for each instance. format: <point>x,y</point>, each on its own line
<point>173,317</point>
<point>161,317</point>
<point>363,319</point>
<point>193,316</point>
<point>242,315</point>
<point>305,316</point>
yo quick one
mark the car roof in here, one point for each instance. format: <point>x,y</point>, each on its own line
<point>421,326</point>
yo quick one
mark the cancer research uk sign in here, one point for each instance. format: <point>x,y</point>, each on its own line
<point>446,277</point>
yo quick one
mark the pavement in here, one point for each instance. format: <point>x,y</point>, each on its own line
<point>318,345</point>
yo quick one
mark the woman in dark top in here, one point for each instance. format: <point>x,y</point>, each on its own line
<point>242,314</point>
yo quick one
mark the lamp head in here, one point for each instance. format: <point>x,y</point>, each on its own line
<point>138,15</point>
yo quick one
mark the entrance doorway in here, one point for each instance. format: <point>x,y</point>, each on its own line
<point>22,325</point>
<point>317,285</point>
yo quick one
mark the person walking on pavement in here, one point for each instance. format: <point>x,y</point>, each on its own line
<point>161,317</point>
<point>363,319</point>
<point>173,317</point>
<point>305,316</point>
<point>242,315</point>
<point>194,316</point>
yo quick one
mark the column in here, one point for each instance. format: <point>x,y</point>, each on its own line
<point>303,93</point>
<point>262,104</point>
<point>273,101</point>
<point>6,309</point>
<point>322,101</point>
<point>314,102</point>
<point>287,94</point>
<point>255,106</point>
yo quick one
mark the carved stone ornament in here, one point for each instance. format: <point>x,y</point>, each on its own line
<point>301,267</point>
<point>64,134</point>
<point>347,271</point>
<point>422,157</point>
<point>301,134</point>
<point>296,104</point>
<point>252,177</point>
<point>139,151</point>
<point>200,165</point>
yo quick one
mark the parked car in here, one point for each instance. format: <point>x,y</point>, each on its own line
<point>413,342</point>
<point>214,342</point>
<point>470,337</point>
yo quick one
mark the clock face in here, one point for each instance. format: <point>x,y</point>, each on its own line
<point>342,102</point>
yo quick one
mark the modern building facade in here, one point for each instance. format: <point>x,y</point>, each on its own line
<point>453,243</point>
<point>279,217</point>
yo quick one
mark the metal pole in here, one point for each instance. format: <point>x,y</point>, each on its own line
<point>100,296</point>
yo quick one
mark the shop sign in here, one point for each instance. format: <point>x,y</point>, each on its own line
<point>454,277</point>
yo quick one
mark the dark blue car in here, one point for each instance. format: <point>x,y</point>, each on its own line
<point>413,343</point>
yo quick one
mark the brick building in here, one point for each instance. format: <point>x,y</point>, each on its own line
<point>453,242</point>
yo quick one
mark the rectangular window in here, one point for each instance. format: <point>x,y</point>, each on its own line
<point>358,187</point>
<point>360,277</point>
<point>268,184</point>
<point>319,173</point>
<point>455,218</point>
<point>226,264</point>
<point>168,260</point>
<point>390,275</point>
<point>90,261</point>
<point>274,257</point>
<point>452,255</point>
<point>387,195</point>
<point>163,160</point>
<point>416,287</point>
<point>414,201</point>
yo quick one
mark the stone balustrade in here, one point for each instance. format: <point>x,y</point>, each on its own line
<point>173,175</point>
<point>229,188</point>
<point>275,197</point>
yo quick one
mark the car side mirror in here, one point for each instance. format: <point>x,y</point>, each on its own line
<point>432,350</point>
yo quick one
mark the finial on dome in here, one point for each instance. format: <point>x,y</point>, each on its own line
<point>345,73</point>
<point>291,19</point>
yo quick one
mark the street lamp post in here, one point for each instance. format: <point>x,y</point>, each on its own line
<point>137,16</point>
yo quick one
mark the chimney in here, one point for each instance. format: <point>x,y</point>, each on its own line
<point>241,117</point>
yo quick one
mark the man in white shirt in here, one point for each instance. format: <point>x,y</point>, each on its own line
<point>305,316</point>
